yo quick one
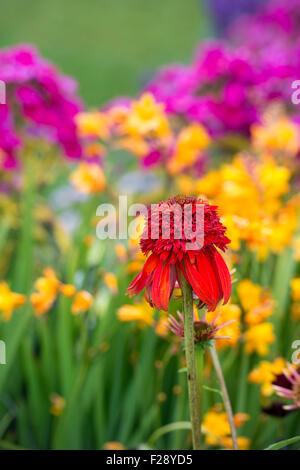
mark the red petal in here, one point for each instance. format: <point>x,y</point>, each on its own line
<point>205,268</point>
<point>224,275</point>
<point>196,280</point>
<point>156,285</point>
<point>140,281</point>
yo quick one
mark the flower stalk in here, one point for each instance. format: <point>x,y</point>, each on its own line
<point>194,399</point>
<point>226,399</point>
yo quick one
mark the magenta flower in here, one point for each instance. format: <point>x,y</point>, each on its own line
<point>39,101</point>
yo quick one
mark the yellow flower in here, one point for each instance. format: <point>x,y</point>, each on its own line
<point>58,404</point>
<point>142,313</point>
<point>296,311</point>
<point>88,178</point>
<point>161,327</point>
<point>48,287</point>
<point>190,142</point>
<point>279,134</point>
<point>68,290</point>
<point>250,192</point>
<point>92,124</point>
<point>224,314</point>
<point>243,443</point>
<point>111,282</point>
<point>136,145</point>
<point>217,430</point>
<point>265,373</point>
<point>81,302</point>
<point>295,288</point>
<point>249,294</point>
<point>256,302</point>
<point>121,252</point>
<point>113,445</point>
<point>146,117</point>
<point>9,301</point>
<point>258,338</point>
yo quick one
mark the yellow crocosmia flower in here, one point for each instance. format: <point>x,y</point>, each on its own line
<point>295,288</point>
<point>250,192</point>
<point>243,443</point>
<point>211,184</point>
<point>58,404</point>
<point>249,294</point>
<point>260,313</point>
<point>47,289</point>
<point>88,240</point>
<point>258,338</point>
<point>296,311</point>
<point>279,134</point>
<point>161,327</point>
<point>9,301</point>
<point>88,178</point>
<point>256,302</point>
<point>217,430</point>
<point>113,445</point>
<point>93,124</point>
<point>111,282</point>
<point>147,118</point>
<point>191,141</point>
<point>82,302</point>
<point>223,314</point>
<point>121,252</point>
<point>135,266</point>
<point>265,373</point>
<point>141,313</point>
<point>136,145</point>
<point>274,178</point>
<point>68,290</point>
<point>94,150</point>
<point>240,419</point>
<point>186,185</point>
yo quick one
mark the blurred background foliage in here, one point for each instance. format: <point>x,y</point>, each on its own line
<point>111,47</point>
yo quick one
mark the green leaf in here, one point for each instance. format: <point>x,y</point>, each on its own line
<point>281,444</point>
<point>215,390</point>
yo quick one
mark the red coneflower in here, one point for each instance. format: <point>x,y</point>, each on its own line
<point>181,252</point>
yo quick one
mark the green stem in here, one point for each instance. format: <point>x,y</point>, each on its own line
<point>199,356</point>
<point>191,362</point>
<point>225,395</point>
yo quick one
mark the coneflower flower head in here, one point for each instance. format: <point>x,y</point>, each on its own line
<point>287,385</point>
<point>204,331</point>
<point>181,236</point>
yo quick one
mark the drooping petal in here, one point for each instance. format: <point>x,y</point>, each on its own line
<point>222,271</point>
<point>196,280</point>
<point>205,268</point>
<point>141,280</point>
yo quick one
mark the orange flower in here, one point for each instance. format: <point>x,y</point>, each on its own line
<point>48,287</point>
<point>9,301</point>
<point>111,282</point>
<point>88,178</point>
<point>82,302</point>
<point>68,290</point>
<point>58,404</point>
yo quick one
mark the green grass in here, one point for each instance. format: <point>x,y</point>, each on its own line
<point>109,46</point>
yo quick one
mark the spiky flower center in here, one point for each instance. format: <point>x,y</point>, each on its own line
<point>204,331</point>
